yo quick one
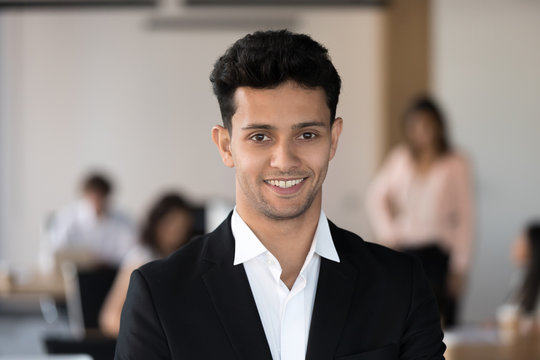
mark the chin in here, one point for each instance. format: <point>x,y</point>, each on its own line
<point>284,212</point>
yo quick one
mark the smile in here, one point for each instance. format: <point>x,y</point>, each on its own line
<point>284,184</point>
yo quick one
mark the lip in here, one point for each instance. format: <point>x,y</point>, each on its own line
<point>288,191</point>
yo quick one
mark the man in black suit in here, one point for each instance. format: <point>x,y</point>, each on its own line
<point>277,280</point>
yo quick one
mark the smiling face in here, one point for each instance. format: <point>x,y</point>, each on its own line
<point>280,144</point>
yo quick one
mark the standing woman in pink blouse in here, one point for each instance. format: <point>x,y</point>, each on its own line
<point>421,202</point>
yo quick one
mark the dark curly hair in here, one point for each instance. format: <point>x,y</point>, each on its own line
<point>166,204</point>
<point>266,59</point>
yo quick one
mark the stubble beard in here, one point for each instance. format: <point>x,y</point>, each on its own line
<point>264,207</point>
<point>273,214</point>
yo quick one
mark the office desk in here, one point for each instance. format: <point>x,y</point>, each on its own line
<point>484,344</point>
<point>32,284</point>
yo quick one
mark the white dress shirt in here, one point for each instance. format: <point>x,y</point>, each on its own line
<point>285,314</point>
<point>78,229</point>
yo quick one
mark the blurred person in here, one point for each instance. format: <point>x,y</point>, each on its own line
<point>90,232</point>
<point>277,279</point>
<point>524,302</point>
<point>421,202</point>
<point>168,226</point>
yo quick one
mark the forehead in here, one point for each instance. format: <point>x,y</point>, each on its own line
<point>286,104</point>
<point>91,191</point>
<point>422,116</point>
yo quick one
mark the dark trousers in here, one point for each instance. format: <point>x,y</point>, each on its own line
<point>435,261</point>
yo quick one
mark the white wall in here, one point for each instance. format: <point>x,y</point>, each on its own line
<point>486,57</point>
<point>98,88</point>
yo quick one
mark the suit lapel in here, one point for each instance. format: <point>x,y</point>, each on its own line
<point>335,287</point>
<point>231,295</point>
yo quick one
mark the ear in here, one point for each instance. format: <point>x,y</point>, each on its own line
<point>222,139</point>
<point>337,126</point>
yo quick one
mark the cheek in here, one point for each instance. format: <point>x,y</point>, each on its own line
<point>418,136</point>
<point>173,234</point>
<point>317,159</point>
<point>163,235</point>
<point>249,161</point>
<point>425,132</point>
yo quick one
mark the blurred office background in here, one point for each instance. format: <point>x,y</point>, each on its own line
<point>125,89</point>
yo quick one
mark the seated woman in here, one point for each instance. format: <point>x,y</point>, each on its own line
<point>169,226</point>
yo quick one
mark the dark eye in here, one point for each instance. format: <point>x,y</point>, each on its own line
<point>259,138</point>
<point>307,136</point>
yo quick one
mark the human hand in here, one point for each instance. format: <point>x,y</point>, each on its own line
<point>455,284</point>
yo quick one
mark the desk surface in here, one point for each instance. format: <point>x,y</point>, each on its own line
<point>34,284</point>
<point>483,346</point>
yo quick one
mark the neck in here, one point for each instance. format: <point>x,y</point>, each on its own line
<point>426,157</point>
<point>288,240</point>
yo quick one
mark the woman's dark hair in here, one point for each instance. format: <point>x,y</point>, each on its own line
<point>426,104</point>
<point>528,294</point>
<point>166,204</point>
<point>266,59</point>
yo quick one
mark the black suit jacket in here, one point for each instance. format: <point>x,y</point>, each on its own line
<point>375,304</point>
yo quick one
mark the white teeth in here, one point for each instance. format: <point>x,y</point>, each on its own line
<point>284,184</point>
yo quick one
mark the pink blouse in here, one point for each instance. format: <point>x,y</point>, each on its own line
<point>411,209</point>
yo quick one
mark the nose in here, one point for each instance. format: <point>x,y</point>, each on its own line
<point>285,157</point>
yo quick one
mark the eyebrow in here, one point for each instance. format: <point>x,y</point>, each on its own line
<point>295,126</point>
<point>258,127</point>
<point>309,124</point>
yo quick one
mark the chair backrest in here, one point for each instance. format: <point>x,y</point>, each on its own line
<point>95,348</point>
<point>86,290</point>
<point>94,285</point>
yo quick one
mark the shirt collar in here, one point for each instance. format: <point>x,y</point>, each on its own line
<point>248,246</point>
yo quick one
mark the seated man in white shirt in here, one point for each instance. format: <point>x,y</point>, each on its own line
<point>89,232</point>
<point>277,280</point>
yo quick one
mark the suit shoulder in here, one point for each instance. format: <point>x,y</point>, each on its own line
<point>356,248</point>
<point>186,265</point>
<point>181,263</point>
<point>389,256</point>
